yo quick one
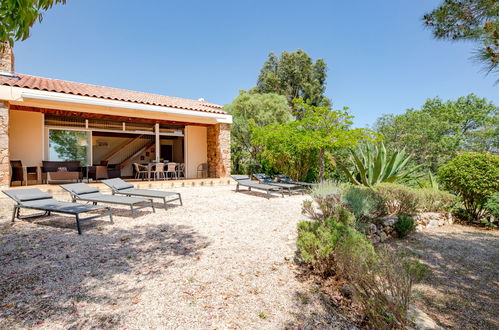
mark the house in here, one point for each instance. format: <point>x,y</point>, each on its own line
<point>47,119</point>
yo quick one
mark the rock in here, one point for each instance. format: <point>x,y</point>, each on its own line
<point>421,320</point>
<point>390,221</point>
<point>433,223</point>
<point>371,228</point>
<point>375,239</point>
<point>347,291</point>
<point>419,228</point>
<point>382,236</point>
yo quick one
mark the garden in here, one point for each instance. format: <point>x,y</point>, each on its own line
<point>381,195</point>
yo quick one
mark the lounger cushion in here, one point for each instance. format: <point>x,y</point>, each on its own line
<point>80,188</point>
<point>63,207</point>
<point>23,195</point>
<point>240,177</point>
<point>117,184</point>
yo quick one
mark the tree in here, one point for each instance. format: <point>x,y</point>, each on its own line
<point>294,75</point>
<point>319,128</point>
<point>253,109</point>
<point>18,16</point>
<point>439,130</point>
<point>476,20</point>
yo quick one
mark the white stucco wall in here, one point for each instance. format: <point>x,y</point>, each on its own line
<point>196,151</point>
<point>26,137</point>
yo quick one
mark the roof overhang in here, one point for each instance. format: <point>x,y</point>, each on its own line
<point>22,94</point>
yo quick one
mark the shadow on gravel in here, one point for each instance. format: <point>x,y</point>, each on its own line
<point>464,270</point>
<point>52,274</point>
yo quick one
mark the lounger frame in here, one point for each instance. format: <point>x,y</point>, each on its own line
<point>132,191</point>
<point>290,187</point>
<point>244,181</point>
<point>134,206</point>
<point>16,214</point>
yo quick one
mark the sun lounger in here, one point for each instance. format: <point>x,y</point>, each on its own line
<point>244,180</point>
<point>286,179</point>
<point>86,193</point>
<point>121,187</point>
<point>35,199</point>
<point>265,179</point>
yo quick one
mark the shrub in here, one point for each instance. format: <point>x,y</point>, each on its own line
<point>492,206</point>
<point>399,199</point>
<point>404,225</point>
<point>317,241</point>
<point>327,196</point>
<point>382,282</point>
<point>433,200</point>
<point>364,202</point>
<point>475,177</point>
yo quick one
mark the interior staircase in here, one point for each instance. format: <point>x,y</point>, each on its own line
<point>129,150</point>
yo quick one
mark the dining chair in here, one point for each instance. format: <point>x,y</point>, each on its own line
<point>140,171</point>
<point>159,171</point>
<point>181,170</point>
<point>171,168</point>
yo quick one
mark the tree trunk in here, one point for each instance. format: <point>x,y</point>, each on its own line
<point>321,165</point>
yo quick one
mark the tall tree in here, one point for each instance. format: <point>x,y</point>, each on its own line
<point>294,75</point>
<point>253,109</point>
<point>319,129</point>
<point>476,20</point>
<point>18,16</point>
<point>439,130</point>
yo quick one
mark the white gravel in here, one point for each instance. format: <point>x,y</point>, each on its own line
<point>223,260</point>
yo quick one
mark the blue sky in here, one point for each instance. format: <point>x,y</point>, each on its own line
<point>380,58</point>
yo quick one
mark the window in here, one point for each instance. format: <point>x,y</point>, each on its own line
<point>66,145</point>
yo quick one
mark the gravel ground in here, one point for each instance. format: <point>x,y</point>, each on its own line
<point>223,260</point>
<point>462,289</point>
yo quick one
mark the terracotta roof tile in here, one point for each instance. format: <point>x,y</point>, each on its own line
<point>109,93</point>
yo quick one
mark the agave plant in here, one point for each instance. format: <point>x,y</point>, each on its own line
<point>373,165</point>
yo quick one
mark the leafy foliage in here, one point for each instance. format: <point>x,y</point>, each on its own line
<point>434,200</point>
<point>253,110</point>
<point>364,202</point>
<point>492,206</point>
<point>476,20</point>
<point>327,196</point>
<point>404,225</point>
<point>290,147</point>
<point>294,75</point>
<point>372,165</point>
<point>18,16</point>
<point>475,177</point>
<point>440,130</point>
<point>317,241</point>
<point>399,199</point>
<point>382,282</point>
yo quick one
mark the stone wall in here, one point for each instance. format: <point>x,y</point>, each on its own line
<point>4,145</point>
<point>218,139</point>
<point>380,230</point>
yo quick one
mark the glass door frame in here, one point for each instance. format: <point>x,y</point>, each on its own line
<point>62,128</point>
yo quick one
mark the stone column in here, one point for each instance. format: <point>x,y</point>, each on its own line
<point>4,145</point>
<point>218,140</point>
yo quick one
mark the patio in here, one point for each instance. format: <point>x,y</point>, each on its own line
<point>223,260</point>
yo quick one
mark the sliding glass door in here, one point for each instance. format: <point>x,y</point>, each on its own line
<point>66,145</point>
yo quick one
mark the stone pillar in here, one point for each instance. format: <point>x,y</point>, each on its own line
<point>4,145</point>
<point>218,139</point>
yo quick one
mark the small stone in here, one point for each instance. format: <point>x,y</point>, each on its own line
<point>382,236</point>
<point>347,291</point>
<point>390,221</point>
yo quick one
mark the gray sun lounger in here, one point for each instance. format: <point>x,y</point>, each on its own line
<point>35,199</point>
<point>85,193</point>
<point>265,179</point>
<point>121,187</point>
<point>244,180</point>
<point>286,179</point>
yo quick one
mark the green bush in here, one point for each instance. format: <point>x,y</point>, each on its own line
<point>364,202</point>
<point>492,206</point>
<point>399,199</point>
<point>433,200</point>
<point>317,241</point>
<point>327,196</point>
<point>475,177</point>
<point>404,225</point>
